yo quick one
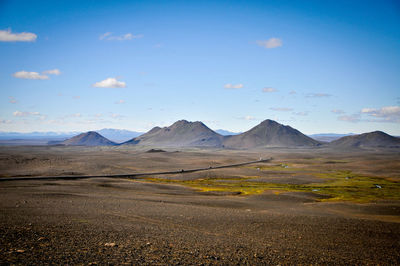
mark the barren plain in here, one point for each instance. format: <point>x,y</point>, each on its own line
<point>306,206</point>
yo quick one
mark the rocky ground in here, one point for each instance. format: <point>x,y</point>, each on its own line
<point>102,221</point>
<point>121,221</point>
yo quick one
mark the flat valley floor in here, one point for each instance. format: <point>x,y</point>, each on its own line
<point>306,206</point>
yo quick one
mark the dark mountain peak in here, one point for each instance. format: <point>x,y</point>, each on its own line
<point>154,130</point>
<point>269,122</point>
<point>91,133</point>
<point>180,123</point>
<point>90,138</point>
<point>370,139</point>
<point>377,133</point>
<point>180,133</point>
<point>270,133</point>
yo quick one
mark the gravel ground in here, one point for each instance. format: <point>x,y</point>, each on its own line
<point>103,221</point>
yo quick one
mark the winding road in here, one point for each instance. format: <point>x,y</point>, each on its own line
<point>131,176</point>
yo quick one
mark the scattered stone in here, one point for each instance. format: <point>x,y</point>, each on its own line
<point>112,244</point>
<point>20,250</point>
<point>155,150</point>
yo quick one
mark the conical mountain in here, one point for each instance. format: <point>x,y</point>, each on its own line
<point>90,138</point>
<point>181,133</point>
<point>269,134</point>
<point>371,139</point>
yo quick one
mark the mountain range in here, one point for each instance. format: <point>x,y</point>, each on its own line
<point>183,133</point>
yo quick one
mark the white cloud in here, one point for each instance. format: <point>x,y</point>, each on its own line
<point>267,89</point>
<point>120,102</point>
<point>350,118</point>
<point>270,43</point>
<point>110,83</point>
<point>23,114</point>
<point>384,114</point>
<point>281,109</point>
<point>128,36</point>
<point>104,35</point>
<point>18,113</point>
<point>29,75</point>
<point>300,113</point>
<point>318,95</point>
<point>247,117</point>
<point>116,116</point>
<point>7,36</point>
<point>338,111</point>
<point>12,100</point>
<point>233,86</point>
<point>52,72</point>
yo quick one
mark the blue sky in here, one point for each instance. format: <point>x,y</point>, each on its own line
<point>318,66</point>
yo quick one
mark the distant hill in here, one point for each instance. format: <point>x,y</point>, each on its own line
<point>328,137</point>
<point>372,139</point>
<point>181,133</point>
<point>224,132</point>
<point>269,134</point>
<point>118,135</point>
<point>90,138</point>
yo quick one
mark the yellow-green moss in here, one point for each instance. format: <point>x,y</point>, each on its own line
<point>339,185</point>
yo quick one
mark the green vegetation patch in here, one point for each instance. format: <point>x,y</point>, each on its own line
<point>338,185</point>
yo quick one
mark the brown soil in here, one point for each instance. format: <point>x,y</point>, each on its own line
<point>134,221</point>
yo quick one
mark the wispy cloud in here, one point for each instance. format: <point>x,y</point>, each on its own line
<point>52,72</point>
<point>318,95</point>
<point>120,102</point>
<point>269,89</point>
<point>350,118</point>
<point>384,114</point>
<point>29,75</point>
<point>8,36</point>
<point>108,36</point>
<point>35,75</point>
<point>338,111</point>
<point>76,97</point>
<point>110,83</point>
<point>26,114</point>
<point>300,113</point>
<point>116,116</point>
<point>270,43</point>
<point>233,86</point>
<point>281,109</point>
<point>247,117</point>
<point>12,100</point>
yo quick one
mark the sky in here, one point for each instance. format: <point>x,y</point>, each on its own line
<point>318,66</point>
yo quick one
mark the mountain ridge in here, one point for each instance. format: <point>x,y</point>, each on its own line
<point>365,140</point>
<point>181,133</point>
<point>90,138</point>
<point>269,133</point>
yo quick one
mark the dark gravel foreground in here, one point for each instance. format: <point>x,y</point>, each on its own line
<point>103,221</point>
